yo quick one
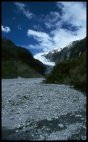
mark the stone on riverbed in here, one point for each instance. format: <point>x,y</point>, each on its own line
<point>39,111</point>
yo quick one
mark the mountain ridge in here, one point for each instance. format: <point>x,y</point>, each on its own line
<point>67,52</point>
<point>70,70</point>
<point>14,56</point>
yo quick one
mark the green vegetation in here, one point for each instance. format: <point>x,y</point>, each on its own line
<point>78,47</point>
<point>71,71</point>
<point>13,69</point>
<point>18,61</point>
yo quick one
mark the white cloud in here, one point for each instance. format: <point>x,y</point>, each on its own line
<point>45,42</point>
<point>74,13</point>
<point>5,29</point>
<point>21,7</point>
<point>62,37</point>
<point>39,36</point>
<point>51,19</point>
<point>37,27</point>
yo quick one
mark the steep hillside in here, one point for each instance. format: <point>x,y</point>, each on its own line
<point>71,70</point>
<point>18,61</point>
<point>75,49</point>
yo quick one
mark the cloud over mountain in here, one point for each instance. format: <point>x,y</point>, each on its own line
<point>65,28</point>
<point>44,26</point>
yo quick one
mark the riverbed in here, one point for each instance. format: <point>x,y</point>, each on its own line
<point>32,110</point>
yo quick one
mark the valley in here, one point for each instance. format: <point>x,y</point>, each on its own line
<point>43,70</point>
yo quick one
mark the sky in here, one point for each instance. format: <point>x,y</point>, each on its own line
<point>43,26</point>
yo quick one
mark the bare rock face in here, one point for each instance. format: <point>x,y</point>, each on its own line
<point>32,110</point>
<point>73,50</point>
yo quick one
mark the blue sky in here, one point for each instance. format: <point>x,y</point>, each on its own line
<point>43,26</point>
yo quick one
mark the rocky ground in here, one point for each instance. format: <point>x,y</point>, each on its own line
<point>32,110</point>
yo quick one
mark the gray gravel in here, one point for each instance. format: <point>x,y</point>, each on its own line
<point>32,110</point>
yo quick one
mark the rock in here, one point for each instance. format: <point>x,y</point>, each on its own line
<point>18,126</point>
<point>37,107</point>
<point>61,125</point>
<point>17,131</point>
<point>11,117</point>
<point>41,137</point>
<point>24,128</point>
<point>82,118</point>
<point>26,113</point>
<point>56,117</point>
<point>49,118</point>
<point>28,124</point>
<point>84,127</point>
<point>78,115</point>
<point>40,95</point>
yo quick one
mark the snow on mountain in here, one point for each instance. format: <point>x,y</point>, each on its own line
<point>70,44</point>
<point>72,50</point>
<point>50,58</point>
<point>42,58</point>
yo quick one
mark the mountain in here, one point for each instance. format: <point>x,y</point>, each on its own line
<point>70,65</point>
<point>18,61</point>
<point>42,57</point>
<point>49,65</point>
<point>73,50</point>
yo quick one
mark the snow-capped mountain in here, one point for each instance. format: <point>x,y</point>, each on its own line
<point>70,66</point>
<point>48,58</point>
<point>74,49</point>
<point>51,58</point>
<point>42,57</point>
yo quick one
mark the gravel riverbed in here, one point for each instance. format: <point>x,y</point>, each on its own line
<point>32,110</point>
